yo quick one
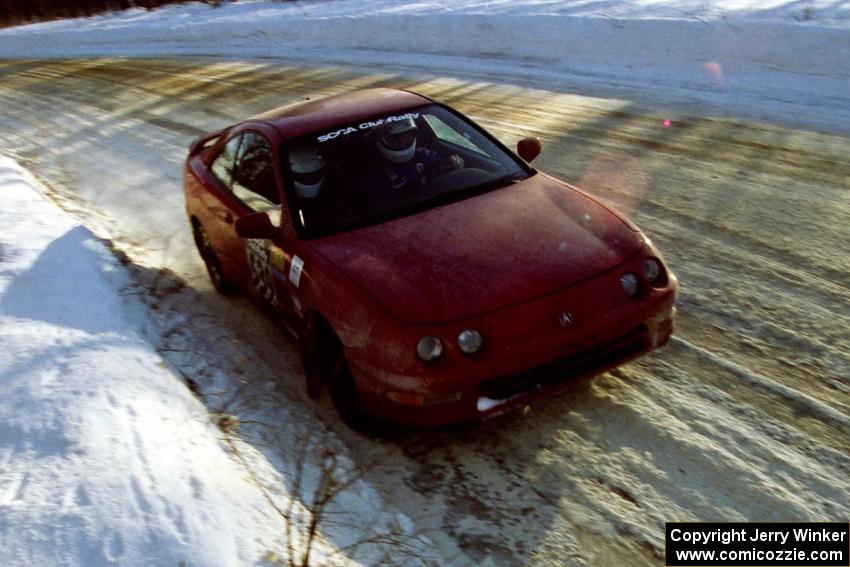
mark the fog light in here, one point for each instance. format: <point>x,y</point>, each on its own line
<point>429,348</point>
<point>469,341</point>
<point>630,284</point>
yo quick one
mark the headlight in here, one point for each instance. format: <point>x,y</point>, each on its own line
<point>429,348</point>
<point>651,269</point>
<point>630,284</point>
<point>469,341</point>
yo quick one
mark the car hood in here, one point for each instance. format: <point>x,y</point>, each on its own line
<point>483,253</point>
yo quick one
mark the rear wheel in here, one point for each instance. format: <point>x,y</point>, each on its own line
<point>210,258</point>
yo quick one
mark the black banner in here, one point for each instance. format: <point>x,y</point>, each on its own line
<point>821,544</point>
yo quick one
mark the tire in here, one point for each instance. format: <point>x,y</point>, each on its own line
<point>324,362</point>
<point>315,374</point>
<point>211,261</point>
<point>344,396</point>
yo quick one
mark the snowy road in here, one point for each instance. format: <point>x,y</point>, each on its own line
<point>744,416</point>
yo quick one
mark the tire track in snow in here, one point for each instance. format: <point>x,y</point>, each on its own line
<point>799,399</point>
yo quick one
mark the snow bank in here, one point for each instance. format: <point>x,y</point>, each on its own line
<point>778,60</point>
<point>105,456</point>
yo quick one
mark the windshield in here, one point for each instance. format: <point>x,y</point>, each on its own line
<point>389,166</point>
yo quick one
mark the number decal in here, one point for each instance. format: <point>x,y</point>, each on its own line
<point>261,275</point>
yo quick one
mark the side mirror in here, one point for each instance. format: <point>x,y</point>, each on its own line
<point>255,225</point>
<point>529,148</point>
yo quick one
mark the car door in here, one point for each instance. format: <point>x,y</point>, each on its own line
<point>225,207</point>
<point>254,183</point>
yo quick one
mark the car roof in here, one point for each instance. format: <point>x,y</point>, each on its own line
<point>317,115</point>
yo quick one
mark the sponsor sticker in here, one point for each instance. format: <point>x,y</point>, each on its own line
<point>277,258</point>
<point>295,271</point>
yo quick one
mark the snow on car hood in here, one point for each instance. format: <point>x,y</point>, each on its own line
<point>483,253</point>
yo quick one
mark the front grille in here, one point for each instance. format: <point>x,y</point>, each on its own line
<point>585,363</point>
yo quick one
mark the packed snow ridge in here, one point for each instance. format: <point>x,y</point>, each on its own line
<point>106,456</point>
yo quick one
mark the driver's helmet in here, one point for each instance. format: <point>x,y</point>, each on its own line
<point>396,141</point>
<point>308,171</point>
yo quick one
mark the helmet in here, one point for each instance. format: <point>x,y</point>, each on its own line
<point>397,140</point>
<point>307,169</point>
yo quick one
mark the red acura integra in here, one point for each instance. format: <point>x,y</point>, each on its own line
<point>430,275</point>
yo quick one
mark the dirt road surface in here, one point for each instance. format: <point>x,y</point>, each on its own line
<point>745,415</point>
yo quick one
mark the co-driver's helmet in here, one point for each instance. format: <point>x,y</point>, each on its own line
<point>397,140</point>
<point>308,171</point>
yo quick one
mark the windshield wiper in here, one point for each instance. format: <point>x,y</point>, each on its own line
<point>464,192</point>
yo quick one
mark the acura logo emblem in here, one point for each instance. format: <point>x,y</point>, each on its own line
<point>565,318</point>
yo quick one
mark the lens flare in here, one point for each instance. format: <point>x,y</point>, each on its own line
<point>714,69</point>
<point>619,178</point>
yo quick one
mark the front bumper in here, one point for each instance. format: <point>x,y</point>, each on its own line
<point>490,393</point>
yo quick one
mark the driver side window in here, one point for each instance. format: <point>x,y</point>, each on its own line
<point>222,166</point>
<point>253,176</point>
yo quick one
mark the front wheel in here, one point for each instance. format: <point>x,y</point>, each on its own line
<point>344,395</point>
<point>316,372</point>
